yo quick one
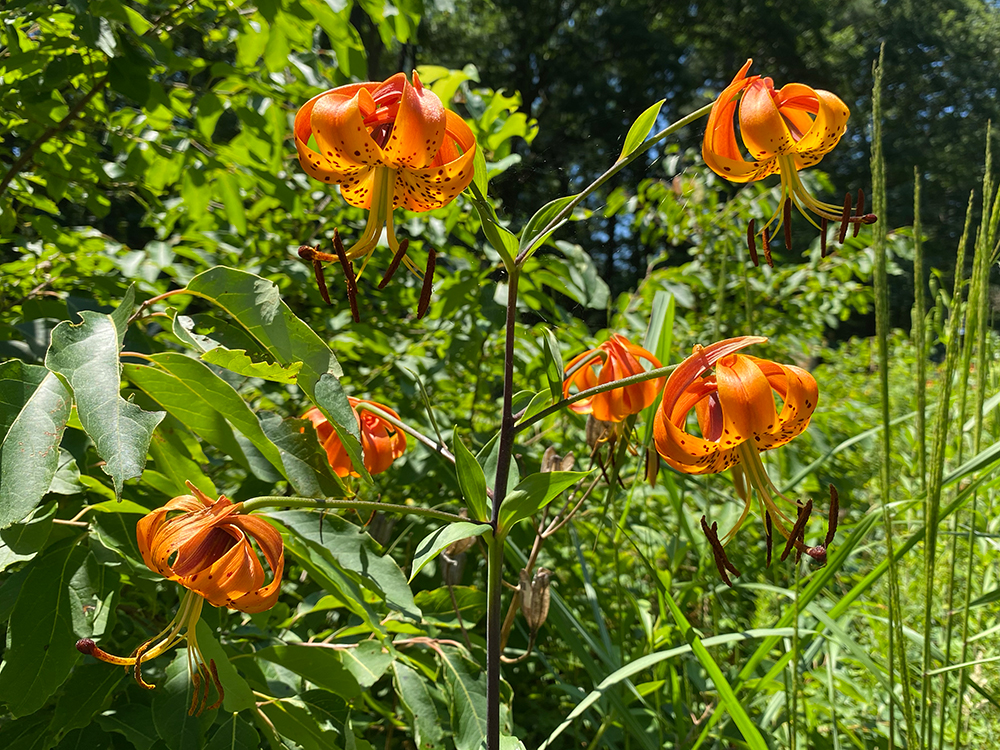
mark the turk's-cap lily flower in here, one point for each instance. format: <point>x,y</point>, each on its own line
<point>381,442</point>
<point>204,545</point>
<point>389,144</point>
<point>783,130</point>
<point>736,413</point>
<point>615,359</point>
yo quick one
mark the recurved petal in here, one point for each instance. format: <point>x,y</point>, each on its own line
<point>827,128</point>
<point>746,398</point>
<point>799,392</point>
<point>437,185</point>
<point>765,134</point>
<point>419,128</point>
<point>326,166</point>
<point>688,453</point>
<point>719,148</point>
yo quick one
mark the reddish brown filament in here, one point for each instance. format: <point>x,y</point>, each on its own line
<point>396,260</point>
<point>752,244</point>
<point>352,282</point>
<point>425,290</point>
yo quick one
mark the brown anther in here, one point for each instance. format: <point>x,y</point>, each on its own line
<point>218,686</point>
<point>822,237</point>
<point>859,211</point>
<point>718,552</point>
<point>427,288</point>
<point>321,280</point>
<point>798,531</point>
<point>768,535</point>
<point>352,282</point>
<point>766,240</point>
<point>752,244</point>
<point>787,221</point>
<point>845,219</point>
<point>396,260</point>
<point>831,528</point>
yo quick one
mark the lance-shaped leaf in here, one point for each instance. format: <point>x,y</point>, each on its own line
<point>86,357</point>
<point>533,494</point>
<point>467,685</point>
<point>34,407</point>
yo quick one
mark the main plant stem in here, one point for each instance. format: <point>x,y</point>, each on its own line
<point>494,570</point>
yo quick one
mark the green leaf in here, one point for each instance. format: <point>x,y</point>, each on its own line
<point>480,177</point>
<point>305,462</point>
<point>171,701</point>
<point>332,401</point>
<point>553,363</point>
<point>209,112</point>
<point>41,639</point>
<point>487,458</point>
<point>367,662</point>
<point>437,541</point>
<point>84,696</point>
<point>132,720</point>
<point>126,80</point>
<point>640,129</point>
<point>467,686</point>
<point>286,338</point>
<point>237,695</point>
<point>237,360</point>
<point>34,408</point>
<point>534,493</point>
<point>531,235</point>
<point>293,720</point>
<point>439,605</point>
<point>235,734</point>
<point>229,190</point>
<point>472,480</point>
<point>415,694</point>
<point>356,553</point>
<point>318,663</point>
<point>86,356</point>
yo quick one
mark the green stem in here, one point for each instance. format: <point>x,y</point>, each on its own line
<point>611,172</point>
<point>280,501</point>
<point>642,377</point>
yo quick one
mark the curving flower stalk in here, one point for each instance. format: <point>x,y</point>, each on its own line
<point>203,545</point>
<point>736,413</point>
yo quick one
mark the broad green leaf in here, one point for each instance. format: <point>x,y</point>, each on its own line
<point>238,696</point>
<point>439,605</point>
<point>305,463</point>
<point>93,588</point>
<point>84,696</point>
<point>367,662</point>
<point>229,190</point>
<point>293,720</point>
<point>270,322</point>
<point>472,481</point>
<point>238,361</point>
<point>171,701</point>
<point>531,234</point>
<point>467,687</point>
<point>351,549</point>
<point>640,129</point>
<point>27,733</point>
<point>235,734</point>
<point>175,466</point>
<point>320,664</point>
<point>199,382</point>
<point>41,638</point>
<point>132,720</point>
<point>34,407</point>
<point>415,694</point>
<point>437,541</point>
<point>480,176</point>
<point>332,401</point>
<point>29,537</point>
<point>534,493</point>
<point>86,356</point>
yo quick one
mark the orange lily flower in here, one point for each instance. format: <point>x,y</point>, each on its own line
<point>784,131</point>
<point>619,358</point>
<point>381,442</point>
<point>736,412</point>
<point>209,543</point>
<point>388,145</point>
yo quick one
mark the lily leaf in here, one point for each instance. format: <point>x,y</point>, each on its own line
<point>534,493</point>
<point>640,129</point>
<point>437,541</point>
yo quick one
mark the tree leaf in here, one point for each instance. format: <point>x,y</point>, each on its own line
<point>534,493</point>
<point>293,720</point>
<point>415,695</point>
<point>235,734</point>
<point>237,360</point>
<point>355,552</point>
<point>472,480</point>
<point>467,686</point>
<point>84,696</point>
<point>171,701</point>
<point>304,462</point>
<point>321,665</point>
<point>286,338</point>
<point>439,607</point>
<point>436,542</point>
<point>41,640</point>
<point>237,695</point>
<point>86,356</point>
<point>367,662</point>
<point>640,129</point>
<point>34,408</point>
<point>229,190</point>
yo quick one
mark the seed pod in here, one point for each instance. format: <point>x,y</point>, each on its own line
<point>535,598</point>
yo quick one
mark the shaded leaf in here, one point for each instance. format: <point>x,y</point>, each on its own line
<point>472,480</point>
<point>321,665</point>
<point>237,360</point>
<point>437,541</point>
